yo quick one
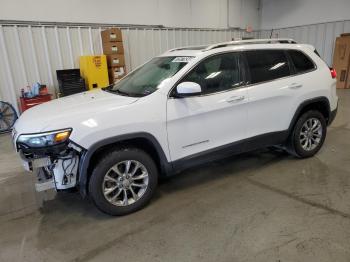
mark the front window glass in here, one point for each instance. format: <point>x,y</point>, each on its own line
<point>218,73</point>
<point>148,77</point>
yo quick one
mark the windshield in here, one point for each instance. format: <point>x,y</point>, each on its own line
<point>146,79</point>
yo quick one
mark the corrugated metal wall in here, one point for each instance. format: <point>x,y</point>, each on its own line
<point>322,36</point>
<point>34,53</point>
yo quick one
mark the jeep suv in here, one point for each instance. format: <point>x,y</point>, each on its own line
<point>185,107</point>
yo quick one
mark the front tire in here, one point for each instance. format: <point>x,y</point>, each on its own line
<point>123,181</point>
<point>308,134</point>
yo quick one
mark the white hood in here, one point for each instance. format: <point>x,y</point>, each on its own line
<point>68,111</point>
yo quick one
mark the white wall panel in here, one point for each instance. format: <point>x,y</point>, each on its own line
<point>243,13</point>
<point>41,50</point>
<point>8,85</point>
<point>168,13</point>
<point>321,36</point>
<point>287,13</point>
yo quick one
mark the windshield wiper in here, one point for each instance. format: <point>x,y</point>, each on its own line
<point>107,88</point>
<point>116,91</point>
<point>123,93</point>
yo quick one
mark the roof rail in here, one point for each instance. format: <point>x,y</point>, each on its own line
<point>252,41</point>
<point>193,47</point>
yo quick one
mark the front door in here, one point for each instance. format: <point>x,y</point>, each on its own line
<point>215,118</point>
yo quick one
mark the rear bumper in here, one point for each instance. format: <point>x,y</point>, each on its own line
<point>332,115</point>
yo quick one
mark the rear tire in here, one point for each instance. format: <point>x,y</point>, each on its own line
<point>308,134</point>
<point>123,181</point>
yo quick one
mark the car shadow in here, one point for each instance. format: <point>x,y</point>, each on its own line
<point>69,217</point>
<point>237,165</point>
<point>72,204</point>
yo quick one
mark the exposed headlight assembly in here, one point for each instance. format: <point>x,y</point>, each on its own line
<point>45,139</point>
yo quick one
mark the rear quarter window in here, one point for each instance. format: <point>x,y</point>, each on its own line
<point>301,62</point>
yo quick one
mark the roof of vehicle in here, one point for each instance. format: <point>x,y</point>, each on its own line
<point>235,45</point>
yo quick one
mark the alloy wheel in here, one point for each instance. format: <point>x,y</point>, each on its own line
<point>310,134</point>
<point>125,183</point>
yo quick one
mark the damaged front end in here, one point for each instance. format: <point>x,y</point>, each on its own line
<point>52,156</point>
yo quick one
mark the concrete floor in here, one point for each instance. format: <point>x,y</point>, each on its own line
<point>261,206</point>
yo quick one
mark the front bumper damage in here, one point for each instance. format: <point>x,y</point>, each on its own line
<point>55,167</point>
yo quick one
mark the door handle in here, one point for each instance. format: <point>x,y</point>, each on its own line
<point>233,99</point>
<point>295,86</point>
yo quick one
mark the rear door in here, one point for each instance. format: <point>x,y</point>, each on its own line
<point>306,79</point>
<point>271,91</point>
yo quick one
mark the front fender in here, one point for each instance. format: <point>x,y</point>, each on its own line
<point>87,155</point>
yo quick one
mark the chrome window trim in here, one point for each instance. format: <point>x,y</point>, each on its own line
<point>246,85</point>
<point>289,60</point>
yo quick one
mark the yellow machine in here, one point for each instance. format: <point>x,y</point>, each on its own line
<point>94,71</point>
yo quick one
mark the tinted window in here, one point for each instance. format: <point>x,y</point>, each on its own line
<point>301,62</point>
<point>266,65</point>
<point>217,73</point>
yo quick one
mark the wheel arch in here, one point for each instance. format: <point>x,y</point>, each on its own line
<point>144,141</point>
<point>319,103</point>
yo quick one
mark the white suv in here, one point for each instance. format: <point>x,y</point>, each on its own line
<point>186,107</point>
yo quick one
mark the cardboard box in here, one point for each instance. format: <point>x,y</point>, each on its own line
<point>112,48</point>
<point>347,85</point>
<point>111,35</point>
<point>116,73</point>
<point>115,60</point>
<point>341,61</point>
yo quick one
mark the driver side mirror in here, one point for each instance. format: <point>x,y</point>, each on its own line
<point>186,89</point>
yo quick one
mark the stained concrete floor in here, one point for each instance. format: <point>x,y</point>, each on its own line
<point>261,206</point>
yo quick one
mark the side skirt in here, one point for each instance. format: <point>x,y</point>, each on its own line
<point>246,145</point>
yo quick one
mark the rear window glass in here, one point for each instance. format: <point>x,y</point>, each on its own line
<point>301,62</point>
<point>266,65</point>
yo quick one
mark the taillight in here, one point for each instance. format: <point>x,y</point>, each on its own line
<point>333,72</point>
